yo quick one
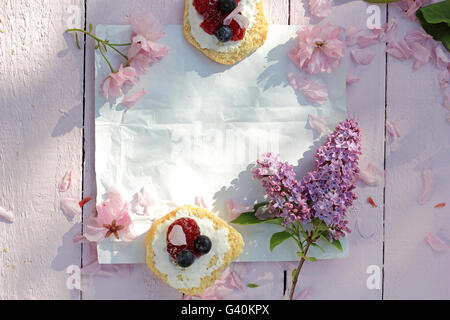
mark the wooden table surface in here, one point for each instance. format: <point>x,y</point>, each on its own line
<point>47,128</point>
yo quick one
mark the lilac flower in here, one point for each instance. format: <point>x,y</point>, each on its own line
<point>324,193</point>
<point>328,189</point>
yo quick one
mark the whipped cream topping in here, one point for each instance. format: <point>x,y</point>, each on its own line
<point>185,278</point>
<point>207,41</point>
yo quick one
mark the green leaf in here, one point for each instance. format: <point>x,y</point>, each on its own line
<point>247,218</point>
<point>338,245</point>
<point>301,255</point>
<point>90,27</point>
<point>278,238</point>
<point>252,285</point>
<point>435,20</point>
<point>293,273</point>
<point>317,246</point>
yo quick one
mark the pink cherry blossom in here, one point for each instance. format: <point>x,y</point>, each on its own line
<point>352,34</point>
<point>416,35</point>
<point>70,207</point>
<point>113,219</point>
<point>112,86</point>
<point>362,56</point>
<point>399,49</point>
<point>147,25</point>
<point>313,92</point>
<point>321,8</point>
<point>421,54</point>
<point>130,100</point>
<point>319,48</point>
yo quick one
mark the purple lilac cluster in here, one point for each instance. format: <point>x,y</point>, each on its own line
<point>284,191</point>
<point>328,189</point>
<point>326,192</point>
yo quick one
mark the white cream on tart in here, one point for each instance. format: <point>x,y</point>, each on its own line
<point>190,277</point>
<point>207,41</point>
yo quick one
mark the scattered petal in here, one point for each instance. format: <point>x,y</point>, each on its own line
<point>440,205</point>
<point>147,24</point>
<point>436,243</point>
<point>70,207</point>
<point>371,175</point>
<point>199,202</point>
<point>421,54</point>
<point>362,56</point>
<point>143,201</point>
<point>233,14</point>
<point>416,36</point>
<point>313,92</point>
<point>235,209</point>
<point>130,100</point>
<point>351,78</point>
<point>444,79</point>
<point>84,201</point>
<point>441,58</point>
<point>318,124</point>
<point>352,34</point>
<point>177,237</point>
<point>372,203</point>
<point>399,49</point>
<point>7,215</point>
<point>321,8</point>
<point>427,187</point>
<point>66,182</point>
<point>393,130</point>
<point>366,40</point>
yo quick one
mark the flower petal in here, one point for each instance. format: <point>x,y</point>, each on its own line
<point>235,209</point>
<point>70,207</point>
<point>130,100</point>
<point>318,124</point>
<point>352,34</point>
<point>143,201</point>
<point>427,186</point>
<point>362,56</point>
<point>371,175</point>
<point>321,8</point>
<point>421,54</point>
<point>177,237</point>
<point>66,182</point>
<point>146,23</point>
<point>200,202</point>
<point>436,243</point>
<point>392,128</point>
<point>7,215</point>
<point>351,78</point>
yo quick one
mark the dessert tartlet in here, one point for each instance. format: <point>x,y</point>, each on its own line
<point>190,247</point>
<point>226,31</point>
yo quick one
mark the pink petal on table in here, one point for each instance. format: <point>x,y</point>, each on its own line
<point>318,124</point>
<point>130,100</point>
<point>78,238</point>
<point>70,207</point>
<point>371,175</point>
<point>444,78</point>
<point>399,49</point>
<point>321,8</point>
<point>441,57</point>
<point>243,21</point>
<point>143,201</point>
<point>366,40</point>
<point>235,209</point>
<point>7,215</point>
<point>427,187</point>
<point>416,36</point>
<point>66,182</point>
<point>351,78</point>
<point>313,92</point>
<point>436,243</point>
<point>200,202</point>
<point>365,227</point>
<point>177,237</point>
<point>421,54</point>
<point>393,130</point>
<point>362,56</point>
<point>297,80</point>
<point>147,24</point>
<point>352,34</point>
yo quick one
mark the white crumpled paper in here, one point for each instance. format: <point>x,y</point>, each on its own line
<point>199,130</point>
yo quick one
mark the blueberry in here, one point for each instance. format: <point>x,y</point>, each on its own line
<point>224,33</point>
<point>227,5</point>
<point>202,244</point>
<point>185,259</point>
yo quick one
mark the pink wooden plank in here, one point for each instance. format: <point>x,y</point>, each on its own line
<point>142,284</point>
<point>41,76</point>
<point>346,278</point>
<point>412,269</point>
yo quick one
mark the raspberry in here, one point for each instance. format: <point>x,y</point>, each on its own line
<point>191,230</point>
<point>213,18</point>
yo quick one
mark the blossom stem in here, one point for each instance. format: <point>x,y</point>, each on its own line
<point>299,268</point>
<point>105,42</point>
<point>106,59</point>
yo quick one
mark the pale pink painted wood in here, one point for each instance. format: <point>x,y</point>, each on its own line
<point>346,278</point>
<point>412,269</point>
<point>41,77</point>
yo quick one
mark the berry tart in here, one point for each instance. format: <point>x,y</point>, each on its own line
<point>189,247</point>
<point>226,31</point>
